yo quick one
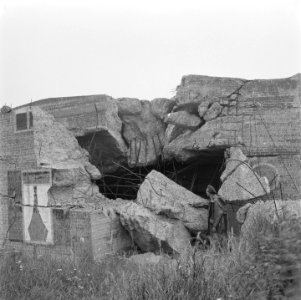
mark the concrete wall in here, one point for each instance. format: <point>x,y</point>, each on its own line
<point>71,233</point>
<point>260,116</point>
<point>108,235</point>
<point>16,153</point>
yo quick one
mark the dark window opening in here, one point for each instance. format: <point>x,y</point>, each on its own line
<point>21,120</point>
<point>194,175</point>
<point>24,121</point>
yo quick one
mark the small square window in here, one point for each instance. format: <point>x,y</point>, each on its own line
<point>24,121</point>
<point>21,120</point>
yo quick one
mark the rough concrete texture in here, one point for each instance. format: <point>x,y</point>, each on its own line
<point>95,117</point>
<point>107,234</point>
<point>143,132</point>
<point>56,147</point>
<point>153,233</point>
<point>173,131</point>
<point>80,138</point>
<point>260,116</point>
<point>72,187</point>
<point>239,112</point>
<point>240,181</point>
<point>164,197</point>
<point>268,211</point>
<point>235,159</point>
<point>213,111</point>
<point>241,214</point>
<point>160,107</point>
<point>183,119</point>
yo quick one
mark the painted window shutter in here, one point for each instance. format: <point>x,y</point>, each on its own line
<point>15,219</point>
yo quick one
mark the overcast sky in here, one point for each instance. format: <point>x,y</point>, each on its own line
<point>141,49</point>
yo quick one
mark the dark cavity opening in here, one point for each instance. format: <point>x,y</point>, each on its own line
<point>103,149</point>
<point>194,175</point>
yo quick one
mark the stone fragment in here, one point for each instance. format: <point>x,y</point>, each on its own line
<point>194,88</point>
<point>208,136</point>
<point>129,106</point>
<point>202,110</point>
<point>205,104</point>
<point>183,119</point>
<point>144,133</point>
<point>164,197</point>
<point>153,233</point>
<point>240,181</point>
<point>213,112</point>
<point>160,107</point>
<point>92,171</point>
<point>234,96</point>
<point>72,187</point>
<point>173,131</point>
<point>241,214</point>
<point>235,159</point>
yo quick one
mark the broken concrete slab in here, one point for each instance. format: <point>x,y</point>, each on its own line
<point>153,233</point>
<point>72,187</point>
<point>194,88</point>
<point>129,106</point>
<point>160,107</point>
<point>164,197</point>
<point>55,146</point>
<point>173,131</point>
<point>240,181</point>
<point>210,136</point>
<point>241,214</point>
<point>205,103</point>
<point>183,119</point>
<point>144,133</point>
<point>235,159</point>
<point>213,111</point>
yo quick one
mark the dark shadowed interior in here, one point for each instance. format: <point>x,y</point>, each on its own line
<point>103,150</point>
<point>194,175</point>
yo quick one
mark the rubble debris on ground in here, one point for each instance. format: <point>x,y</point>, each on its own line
<point>164,197</point>
<point>153,233</point>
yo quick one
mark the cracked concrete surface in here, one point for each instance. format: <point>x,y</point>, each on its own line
<point>82,139</point>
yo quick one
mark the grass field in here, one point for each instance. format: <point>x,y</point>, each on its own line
<point>265,265</point>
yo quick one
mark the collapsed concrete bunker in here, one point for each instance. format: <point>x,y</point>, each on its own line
<point>91,175</point>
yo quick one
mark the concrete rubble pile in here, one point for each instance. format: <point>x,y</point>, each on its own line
<point>248,130</point>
